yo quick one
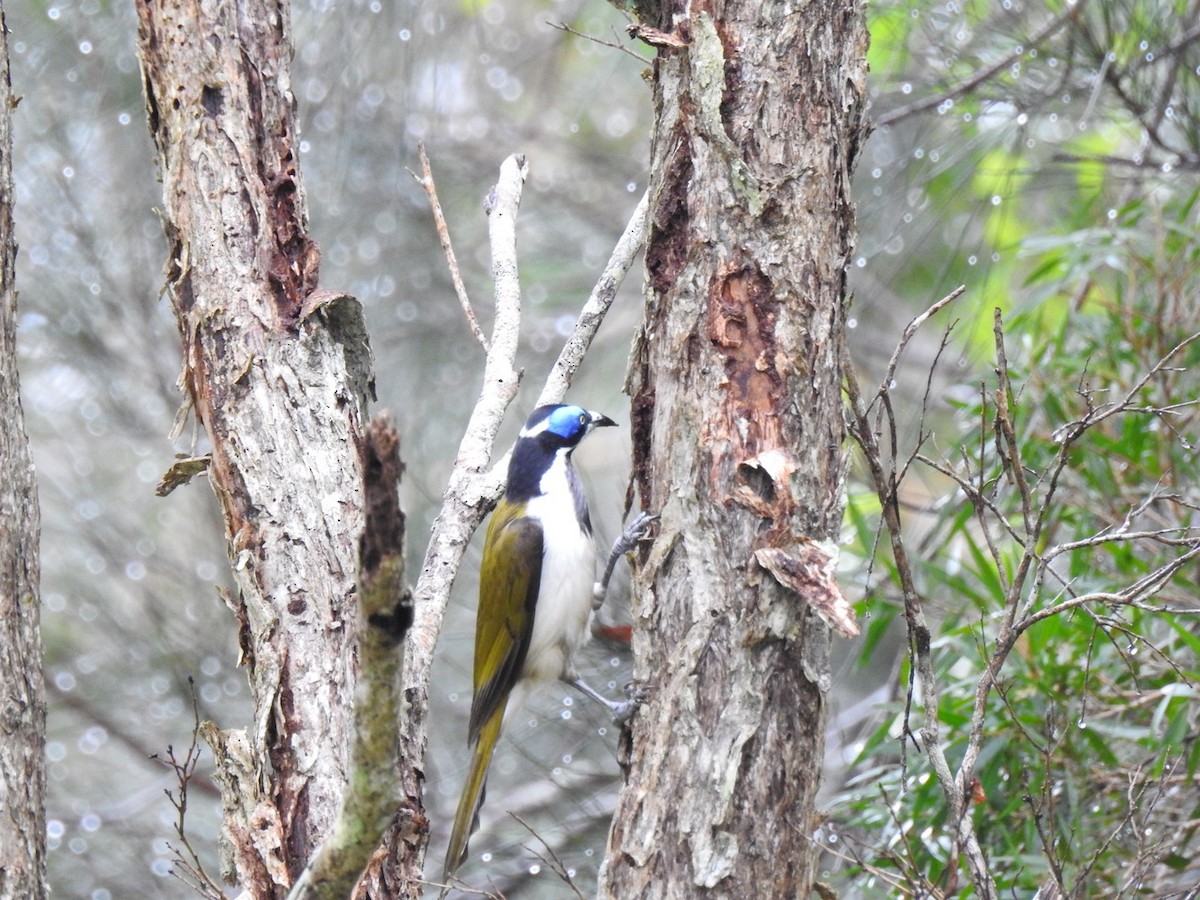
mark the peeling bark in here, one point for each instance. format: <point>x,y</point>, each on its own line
<point>22,690</point>
<point>737,428</point>
<point>278,374</point>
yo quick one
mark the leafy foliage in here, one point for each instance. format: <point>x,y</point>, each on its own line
<point>1049,509</point>
<point>1063,557</point>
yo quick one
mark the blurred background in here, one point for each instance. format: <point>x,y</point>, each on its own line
<point>955,186</point>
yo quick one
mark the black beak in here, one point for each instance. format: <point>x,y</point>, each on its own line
<point>599,420</point>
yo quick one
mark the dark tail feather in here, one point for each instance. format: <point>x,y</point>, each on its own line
<point>466,820</point>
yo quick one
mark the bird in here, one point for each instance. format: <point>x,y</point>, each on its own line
<point>536,592</point>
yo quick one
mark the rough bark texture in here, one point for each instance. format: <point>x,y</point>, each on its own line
<point>22,693</point>
<point>738,430</point>
<point>278,374</point>
<point>385,615</point>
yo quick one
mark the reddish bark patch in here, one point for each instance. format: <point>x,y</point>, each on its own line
<point>295,259</point>
<point>740,322</point>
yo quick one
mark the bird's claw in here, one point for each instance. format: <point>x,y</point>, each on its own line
<point>634,532</point>
<point>637,694</point>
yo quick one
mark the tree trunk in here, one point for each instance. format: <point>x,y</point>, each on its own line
<point>23,707</point>
<point>278,374</point>
<point>737,429</point>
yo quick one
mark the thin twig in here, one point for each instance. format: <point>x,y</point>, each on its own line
<point>1024,590</point>
<point>553,862</point>
<point>887,489</point>
<point>1148,161</point>
<point>1068,433</point>
<point>984,74</point>
<point>563,26</point>
<point>846,852</point>
<point>1012,628</point>
<point>1046,836</point>
<point>913,871</point>
<point>1159,535</point>
<point>425,179</point>
<point>909,331</point>
<point>1146,586</point>
<point>189,870</point>
<point>463,888</point>
<point>980,502</point>
<point>1004,421</point>
<point>973,495</point>
<point>1122,828</point>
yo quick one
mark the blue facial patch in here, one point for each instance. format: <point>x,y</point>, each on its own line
<point>569,421</point>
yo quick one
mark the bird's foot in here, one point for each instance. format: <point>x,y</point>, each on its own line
<point>622,710</point>
<point>634,532</point>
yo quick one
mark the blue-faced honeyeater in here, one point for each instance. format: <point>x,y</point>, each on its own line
<point>536,591</point>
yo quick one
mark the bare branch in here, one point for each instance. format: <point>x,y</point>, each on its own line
<point>1147,162</point>
<point>551,859</point>
<point>1015,622</point>
<point>587,324</point>
<point>471,489</point>
<point>909,331</point>
<point>468,496</point>
<point>1023,591</point>
<point>1138,592</point>
<point>187,869</point>
<point>1067,434</point>
<point>593,312</point>
<point>1007,438</point>
<point>1161,535</point>
<point>425,180</point>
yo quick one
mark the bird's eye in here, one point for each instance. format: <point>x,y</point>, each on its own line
<point>583,418</point>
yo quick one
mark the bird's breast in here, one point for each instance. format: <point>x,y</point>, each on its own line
<point>564,605</point>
